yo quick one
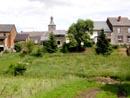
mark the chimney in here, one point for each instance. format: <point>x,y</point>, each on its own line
<point>119,19</point>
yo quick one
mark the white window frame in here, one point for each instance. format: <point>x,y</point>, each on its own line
<point>120,39</point>
<point>129,30</point>
<point>128,38</point>
<point>118,30</point>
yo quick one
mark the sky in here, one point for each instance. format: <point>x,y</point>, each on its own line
<point>34,15</point>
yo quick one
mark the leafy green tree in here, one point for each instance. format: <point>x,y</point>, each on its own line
<point>103,45</point>
<point>80,31</point>
<point>51,44</point>
<point>71,45</point>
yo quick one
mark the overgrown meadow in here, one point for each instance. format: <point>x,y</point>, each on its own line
<point>61,75</point>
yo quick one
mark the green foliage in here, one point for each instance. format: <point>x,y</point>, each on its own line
<point>72,41</point>
<point>80,31</point>
<point>15,70</point>
<point>18,46</point>
<point>37,51</point>
<point>103,45</point>
<point>28,47</point>
<point>71,46</point>
<point>51,44</point>
<point>115,46</point>
<point>128,51</point>
<point>65,48</point>
<point>86,39</point>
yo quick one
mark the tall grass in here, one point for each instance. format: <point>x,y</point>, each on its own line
<point>58,69</point>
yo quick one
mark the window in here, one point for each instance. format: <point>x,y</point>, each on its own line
<point>120,39</point>
<point>128,30</point>
<point>58,42</point>
<point>118,30</point>
<point>128,38</point>
<point>4,34</point>
<point>35,41</point>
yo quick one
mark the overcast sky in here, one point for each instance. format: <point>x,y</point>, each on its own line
<point>34,15</point>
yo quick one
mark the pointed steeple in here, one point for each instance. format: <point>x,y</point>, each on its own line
<point>51,26</point>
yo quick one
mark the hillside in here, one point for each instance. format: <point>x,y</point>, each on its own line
<point>60,75</point>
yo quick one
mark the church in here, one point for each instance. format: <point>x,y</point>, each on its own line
<point>38,37</point>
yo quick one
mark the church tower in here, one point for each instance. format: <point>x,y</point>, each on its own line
<point>51,26</point>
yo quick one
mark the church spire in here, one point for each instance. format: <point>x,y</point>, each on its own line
<point>51,26</point>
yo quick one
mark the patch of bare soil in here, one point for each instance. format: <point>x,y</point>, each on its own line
<point>105,80</point>
<point>122,51</point>
<point>89,93</point>
<point>122,93</point>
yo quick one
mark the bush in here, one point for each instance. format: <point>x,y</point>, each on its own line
<point>28,47</point>
<point>37,52</point>
<point>65,48</point>
<point>115,46</point>
<point>18,46</point>
<point>15,70</point>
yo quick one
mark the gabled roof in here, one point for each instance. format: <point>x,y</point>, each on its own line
<point>34,33</point>
<point>45,36</point>
<point>6,27</point>
<point>59,32</point>
<point>21,37</point>
<point>98,25</point>
<point>119,21</point>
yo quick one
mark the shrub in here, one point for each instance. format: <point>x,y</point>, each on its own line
<point>28,47</point>
<point>65,48</point>
<point>18,46</point>
<point>115,46</point>
<point>37,52</point>
<point>15,70</point>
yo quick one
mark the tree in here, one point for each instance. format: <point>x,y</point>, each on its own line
<point>103,45</point>
<point>70,45</point>
<point>51,44</point>
<point>80,31</point>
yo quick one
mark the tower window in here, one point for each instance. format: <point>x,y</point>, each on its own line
<point>58,42</point>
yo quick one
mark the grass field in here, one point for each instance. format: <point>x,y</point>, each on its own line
<point>63,75</point>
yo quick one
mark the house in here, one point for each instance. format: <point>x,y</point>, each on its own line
<point>35,36</point>
<point>120,27</point>
<point>98,26</point>
<point>22,38</point>
<point>7,36</point>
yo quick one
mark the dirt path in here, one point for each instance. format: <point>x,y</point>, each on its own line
<point>89,93</point>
